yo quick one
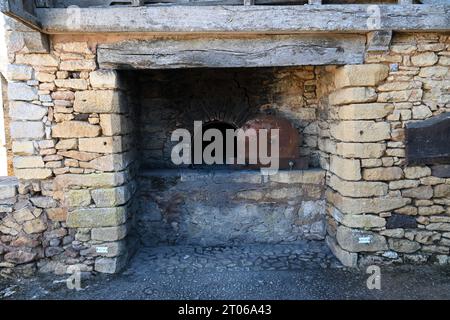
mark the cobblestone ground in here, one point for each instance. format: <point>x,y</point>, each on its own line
<point>301,271</point>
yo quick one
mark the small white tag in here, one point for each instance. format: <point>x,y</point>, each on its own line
<point>365,240</point>
<point>102,249</point>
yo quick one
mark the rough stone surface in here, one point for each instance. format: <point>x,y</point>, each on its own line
<point>360,150</point>
<point>27,130</point>
<point>19,110</point>
<point>101,101</point>
<point>75,129</point>
<point>22,91</point>
<point>360,75</point>
<point>353,95</point>
<point>349,239</point>
<point>358,189</point>
<point>360,131</point>
<point>96,217</point>
<point>348,169</point>
<point>383,174</point>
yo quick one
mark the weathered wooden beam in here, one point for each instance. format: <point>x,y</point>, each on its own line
<point>268,51</point>
<point>246,19</point>
<point>427,141</point>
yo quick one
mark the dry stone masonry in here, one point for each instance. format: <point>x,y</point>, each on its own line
<point>80,194</point>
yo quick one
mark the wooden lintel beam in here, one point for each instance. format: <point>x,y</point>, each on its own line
<point>246,19</point>
<point>265,51</point>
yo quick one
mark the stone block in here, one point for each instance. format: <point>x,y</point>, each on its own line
<point>27,130</point>
<point>78,155</point>
<point>97,217</point>
<point>33,174</point>
<point>73,84</point>
<point>349,205</point>
<point>102,144</point>
<point>78,65</point>
<point>383,174</point>
<point>424,59</point>
<point>421,112</point>
<point>350,240</point>
<point>100,180</point>
<point>19,110</point>
<point>77,198</point>
<point>57,214</point>
<point>348,259</point>
<point>364,221</point>
<point>109,233</point>
<point>111,249</point>
<point>17,72</point>
<point>73,47</point>
<point>416,172</point>
<point>360,131</point>
<point>8,187</point>
<point>67,144</point>
<point>353,95</point>
<point>34,226</point>
<point>403,184</point>
<point>358,189</point>
<point>422,192</point>
<point>110,265</point>
<point>43,202</point>
<point>433,72</point>
<point>367,111</point>
<point>360,150</point>
<point>20,257</point>
<point>111,162</point>
<point>105,79</point>
<point>428,211</point>
<point>115,124</point>
<point>24,162</point>
<point>348,169</point>
<point>111,197</point>
<point>100,101</point>
<point>360,75</point>
<point>22,91</point>
<point>23,215</point>
<point>38,60</point>
<point>403,245</point>
<point>75,129</point>
<point>401,96</point>
<point>23,148</point>
<point>442,191</point>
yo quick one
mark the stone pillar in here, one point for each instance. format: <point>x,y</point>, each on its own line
<point>358,203</point>
<point>97,187</point>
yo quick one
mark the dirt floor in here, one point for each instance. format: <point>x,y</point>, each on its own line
<point>238,273</point>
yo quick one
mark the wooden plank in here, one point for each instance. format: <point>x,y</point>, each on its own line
<point>441,170</point>
<point>427,142</point>
<point>246,19</point>
<point>266,51</point>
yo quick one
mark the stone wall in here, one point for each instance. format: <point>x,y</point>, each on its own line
<point>71,150</point>
<point>230,207</point>
<point>174,99</point>
<point>73,142</point>
<point>380,209</point>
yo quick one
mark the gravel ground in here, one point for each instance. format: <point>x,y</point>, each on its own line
<point>238,273</point>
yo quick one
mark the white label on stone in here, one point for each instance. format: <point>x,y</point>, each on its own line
<point>102,249</point>
<point>365,240</point>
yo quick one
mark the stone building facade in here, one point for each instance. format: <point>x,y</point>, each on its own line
<point>79,188</point>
